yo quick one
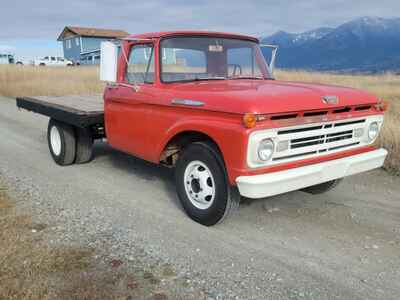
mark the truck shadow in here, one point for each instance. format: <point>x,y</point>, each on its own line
<point>147,171</point>
<point>293,205</point>
<point>138,168</point>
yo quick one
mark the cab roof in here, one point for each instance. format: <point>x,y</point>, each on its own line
<point>162,34</point>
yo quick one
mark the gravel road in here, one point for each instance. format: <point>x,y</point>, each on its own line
<point>344,244</point>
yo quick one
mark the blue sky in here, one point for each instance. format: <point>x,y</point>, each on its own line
<point>30,28</point>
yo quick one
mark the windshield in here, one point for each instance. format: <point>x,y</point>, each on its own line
<point>211,58</point>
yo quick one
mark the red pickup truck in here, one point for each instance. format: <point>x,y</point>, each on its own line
<point>207,104</point>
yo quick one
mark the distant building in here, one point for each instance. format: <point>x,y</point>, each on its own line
<point>82,45</point>
<point>6,58</point>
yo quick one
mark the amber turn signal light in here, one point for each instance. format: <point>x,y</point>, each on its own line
<point>249,120</point>
<point>382,105</point>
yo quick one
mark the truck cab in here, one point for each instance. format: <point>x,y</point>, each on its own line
<point>207,104</point>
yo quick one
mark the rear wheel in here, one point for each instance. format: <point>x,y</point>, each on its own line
<point>202,185</point>
<point>62,142</point>
<point>84,145</point>
<point>322,187</point>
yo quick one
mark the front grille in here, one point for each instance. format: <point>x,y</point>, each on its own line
<point>321,139</point>
<point>311,140</point>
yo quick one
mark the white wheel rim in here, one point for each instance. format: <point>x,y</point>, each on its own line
<point>55,140</point>
<point>199,184</point>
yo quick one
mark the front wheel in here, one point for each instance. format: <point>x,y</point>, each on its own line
<point>202,185</point>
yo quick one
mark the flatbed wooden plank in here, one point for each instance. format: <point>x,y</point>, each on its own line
<point>83,103</point>
<point>82,111</point>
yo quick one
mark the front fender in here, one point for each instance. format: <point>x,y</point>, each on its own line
<point>231,138</point>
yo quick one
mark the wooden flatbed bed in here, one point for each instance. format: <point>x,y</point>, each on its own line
<point>81,111</point>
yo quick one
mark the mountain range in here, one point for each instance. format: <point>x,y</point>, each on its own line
<point>363,45</point>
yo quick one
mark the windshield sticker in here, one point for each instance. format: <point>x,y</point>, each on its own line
<point>215,48</point>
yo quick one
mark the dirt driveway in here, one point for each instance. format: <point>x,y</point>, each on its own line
<point>344,244</point>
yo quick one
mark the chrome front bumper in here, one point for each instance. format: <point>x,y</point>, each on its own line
<point>265,185</point>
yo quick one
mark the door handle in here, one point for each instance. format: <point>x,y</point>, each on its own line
<point>135,88</point>
<point>112,86</point>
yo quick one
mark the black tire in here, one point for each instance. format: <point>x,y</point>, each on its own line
<point>42,65</point>
<point>322,187</point>
<point>226,199</point>
<point>84,145</point>
<point>66,155</point>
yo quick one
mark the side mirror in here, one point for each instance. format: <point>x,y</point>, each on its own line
<point>274,50</point>
<point>108,62</point>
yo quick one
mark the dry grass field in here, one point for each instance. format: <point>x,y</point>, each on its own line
<point>32,81</point>
<point>28,263</point>
<point>33,267</point>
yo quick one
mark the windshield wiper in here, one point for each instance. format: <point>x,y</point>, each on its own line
<point>200,79</point>
<point>209,78</point>
<point>245,77</point>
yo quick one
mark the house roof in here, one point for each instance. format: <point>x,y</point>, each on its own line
<point>93,32</point>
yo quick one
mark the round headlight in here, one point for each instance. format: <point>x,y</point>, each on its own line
<point>373,131</point>
<point>266,149</point>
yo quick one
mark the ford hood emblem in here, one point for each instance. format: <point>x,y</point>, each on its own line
<point>330,99</point>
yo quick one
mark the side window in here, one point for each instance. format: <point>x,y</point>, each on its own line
<point>241,63</point>
<point>68,44</point>
<point>77,41</point>
<point>53,58</point>
<point>46,58</point>
<point>140,67</point>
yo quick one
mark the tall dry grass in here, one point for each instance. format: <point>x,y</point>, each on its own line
<point>34,81</point>
<point>43,81</point>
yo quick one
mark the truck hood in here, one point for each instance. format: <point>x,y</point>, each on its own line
<point>267,96</point>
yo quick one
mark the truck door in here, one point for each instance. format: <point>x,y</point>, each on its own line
<point>127,104</point>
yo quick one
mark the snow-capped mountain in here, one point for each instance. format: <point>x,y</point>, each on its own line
<point>366,44</point>
<point>286,39</point>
